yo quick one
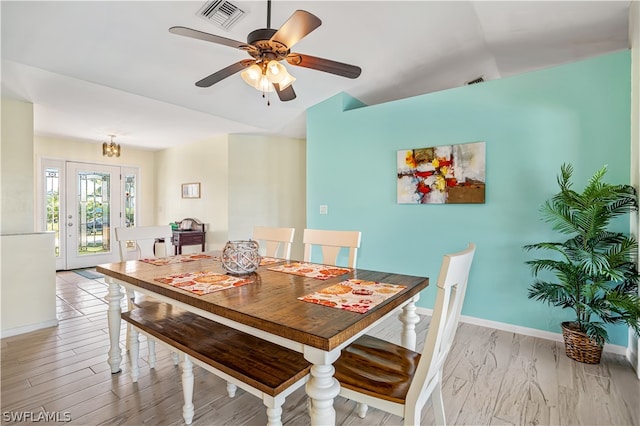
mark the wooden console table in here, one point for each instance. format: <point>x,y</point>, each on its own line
<point>187,238</point>
<point>192,236</point>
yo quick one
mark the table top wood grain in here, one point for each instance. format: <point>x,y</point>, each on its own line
<point>269,303</point>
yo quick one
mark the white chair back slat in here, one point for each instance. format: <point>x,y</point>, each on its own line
<point>452,286</point>
<point>144,238</point>
<point>331,243</point>
<point>274,242</point>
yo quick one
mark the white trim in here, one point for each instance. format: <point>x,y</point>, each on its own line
<point>633,352</point>
<point>40,219</point>
<point>28,328</point>
<point>526,331</point>
<point>632,355</point>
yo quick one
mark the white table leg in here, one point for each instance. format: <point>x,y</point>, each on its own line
<point>130,295</point>
<point>134,352</point>
<point>231,389</point>
<point>113,317</point>
<point>322,387</point>
<point>409,320</point>
<point>187,389</point>
<point>362,410</point>
<point>151,348</point>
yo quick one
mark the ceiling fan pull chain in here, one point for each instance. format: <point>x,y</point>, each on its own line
<point>266,96</point>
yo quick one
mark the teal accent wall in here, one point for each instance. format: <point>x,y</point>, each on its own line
<point>531,124</point>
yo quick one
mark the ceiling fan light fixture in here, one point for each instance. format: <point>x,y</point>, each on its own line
<point>252,75</point>
<point>278,74</point>
<point>287,81</point>
<point>255,78</point>
<point>263,79</point>
<point>275,71</point>
<point>254,72</point>
<point>264,85</point>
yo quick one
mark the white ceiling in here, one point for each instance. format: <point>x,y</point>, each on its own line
<point>97,68</point>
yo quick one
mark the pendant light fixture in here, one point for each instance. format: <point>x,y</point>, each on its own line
<point>111,149</point>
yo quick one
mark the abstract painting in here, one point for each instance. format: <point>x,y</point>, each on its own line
<point>447,174</point>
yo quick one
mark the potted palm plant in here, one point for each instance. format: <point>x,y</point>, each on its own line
<point>595,269</point>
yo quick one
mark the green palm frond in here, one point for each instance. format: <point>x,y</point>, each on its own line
<point>596,331</point>
<point>552,293</point>
<point>627,306</point>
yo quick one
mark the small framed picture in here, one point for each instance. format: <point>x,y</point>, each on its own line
<point>191,190</point>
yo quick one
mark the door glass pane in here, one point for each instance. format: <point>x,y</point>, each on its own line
<point>130,205</point>
<point>52,203</point>
<point>130,200</point>
<point>93,212</point>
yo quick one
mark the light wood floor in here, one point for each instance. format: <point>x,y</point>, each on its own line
<point>491,377</point>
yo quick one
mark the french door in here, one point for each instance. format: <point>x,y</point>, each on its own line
<point>93,211</point>
<point>83,203</point>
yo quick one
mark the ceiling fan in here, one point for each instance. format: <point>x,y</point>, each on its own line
<point>267,47</point>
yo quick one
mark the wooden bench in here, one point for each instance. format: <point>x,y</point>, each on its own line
<point>269,371</point>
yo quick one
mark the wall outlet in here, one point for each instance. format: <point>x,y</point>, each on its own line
<point>324,209</point>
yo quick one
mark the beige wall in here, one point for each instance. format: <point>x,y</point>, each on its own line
<point>268,177</point>
<point>205,162</point>
<point>17,174</point>
<point>27,261</point>
<point>245,180</point>
<point>91,152</point>
<point>28,299</point>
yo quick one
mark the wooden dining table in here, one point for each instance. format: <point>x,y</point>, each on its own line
<point>268,307</point>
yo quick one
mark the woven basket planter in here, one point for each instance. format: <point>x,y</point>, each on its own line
<point>578,346</point>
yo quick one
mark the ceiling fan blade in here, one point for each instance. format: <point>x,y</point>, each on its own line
<point>326,65</point>
<point>297,26</point>
<point>224,73</point>
<point>188,32</point>
<point>286,94</point>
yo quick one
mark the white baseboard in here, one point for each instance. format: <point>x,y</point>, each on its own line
<point>632,356</point>
<point>632,352</point>
<point>28,328</point>
<point>526,331</point>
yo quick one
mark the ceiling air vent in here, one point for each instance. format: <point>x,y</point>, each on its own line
<point>221,13</point>
<point>475,81</point>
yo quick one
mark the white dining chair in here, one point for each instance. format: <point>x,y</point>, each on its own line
<point>397,380</point>
<point>141,242</point>
<point>274,242</point>
<point>331,243</point>
<point>143,239</point>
